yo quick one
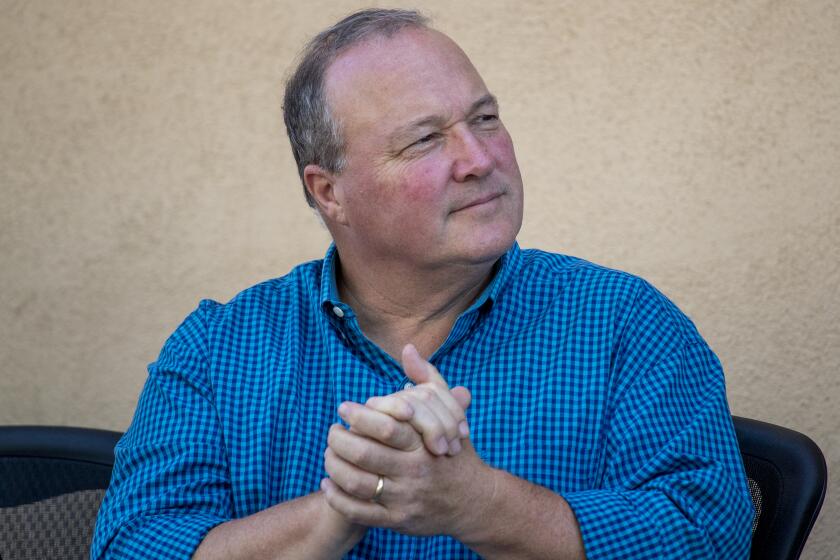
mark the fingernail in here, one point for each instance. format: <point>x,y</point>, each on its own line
<point>464,428</point>
<point>454,447</point>
<point>342,409</point>
<point>442,445</point>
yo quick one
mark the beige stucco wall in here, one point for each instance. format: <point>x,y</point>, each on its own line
<point>144,166</point>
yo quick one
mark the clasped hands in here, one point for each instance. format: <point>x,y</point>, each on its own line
<point>417,440</point>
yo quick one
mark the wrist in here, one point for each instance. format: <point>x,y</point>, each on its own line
<point>476,524</point>
<point>335,526</point>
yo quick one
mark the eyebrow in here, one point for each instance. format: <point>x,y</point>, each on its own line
<point>437,120</point>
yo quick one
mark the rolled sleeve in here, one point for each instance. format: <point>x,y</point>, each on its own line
<point>674,485</point>
<point>170,483</point>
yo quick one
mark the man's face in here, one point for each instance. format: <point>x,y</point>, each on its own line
<point>431,177</point>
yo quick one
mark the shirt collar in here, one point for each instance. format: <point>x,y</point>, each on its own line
<point>329,285</point>
<point>502,271</point>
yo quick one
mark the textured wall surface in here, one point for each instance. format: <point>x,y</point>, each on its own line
<point>144,166</point>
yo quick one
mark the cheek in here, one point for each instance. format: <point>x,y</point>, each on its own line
<point>424,183</point>
<point>501,148</point>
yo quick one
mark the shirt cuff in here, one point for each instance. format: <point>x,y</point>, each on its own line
<point>161,536</point>
<point>635,524</point>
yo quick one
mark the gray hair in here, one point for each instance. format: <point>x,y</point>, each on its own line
<point>313,132</point>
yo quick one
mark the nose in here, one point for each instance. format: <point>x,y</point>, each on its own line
<point>471,159</point>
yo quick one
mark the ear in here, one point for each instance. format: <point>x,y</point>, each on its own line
<point>321,185</point>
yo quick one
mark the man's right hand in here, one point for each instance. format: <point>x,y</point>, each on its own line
<point>431,408</point>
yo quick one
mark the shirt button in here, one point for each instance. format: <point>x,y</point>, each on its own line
<point>408,385</point>
<point>338,311</point>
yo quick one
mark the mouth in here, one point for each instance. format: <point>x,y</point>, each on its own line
<point>479,201</point>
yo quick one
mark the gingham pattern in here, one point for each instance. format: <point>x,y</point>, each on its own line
<point>585,380</point>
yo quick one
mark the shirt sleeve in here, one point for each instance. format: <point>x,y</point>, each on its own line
<point>673,483</point>
<point>170,483</point>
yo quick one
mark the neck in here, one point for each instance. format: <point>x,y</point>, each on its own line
<point>396,304</point>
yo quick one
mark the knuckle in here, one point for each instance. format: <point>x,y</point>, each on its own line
<point>354,486</point>
<point>400,519</point>
<point>355,517</point>
<point>360,455</point>
<point>333,433</point>
<point>390,430</point>
<point>424,394</point>
<point>399,400</point>
<point>430,430</point>
<point>379,403</point>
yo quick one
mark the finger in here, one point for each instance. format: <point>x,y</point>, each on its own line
<point>419,370</point>
<point>351,479</point>
<point>431,421</point>
<point>428,423</point>
<point>463,397</point>
<point>437,416</point>
<point>361,512</point>
<point>394,407</point>
<point>363,452</point>
<point>370,422</point>
<point>456,401</point>
<point>422,372</point>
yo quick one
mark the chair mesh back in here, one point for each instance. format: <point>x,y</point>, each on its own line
<point>755,494</point>
<point>58,527</point>
<point>766,484</point>
<point>48,506</point>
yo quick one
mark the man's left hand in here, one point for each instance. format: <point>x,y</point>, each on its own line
<point>423,494</point>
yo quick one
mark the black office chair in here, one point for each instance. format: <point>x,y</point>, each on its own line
<point>52,480</point>
<point>787,476</point>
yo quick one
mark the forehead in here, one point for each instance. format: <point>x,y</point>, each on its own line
<point>413,73</point>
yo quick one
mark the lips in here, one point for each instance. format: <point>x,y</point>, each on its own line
<point>479,201</point>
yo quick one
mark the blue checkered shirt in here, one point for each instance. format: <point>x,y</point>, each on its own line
<point>585,380</point>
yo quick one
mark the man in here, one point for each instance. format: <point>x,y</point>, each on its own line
<point>586,418</point>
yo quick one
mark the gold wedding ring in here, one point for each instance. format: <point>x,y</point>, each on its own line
<point>380,486</point>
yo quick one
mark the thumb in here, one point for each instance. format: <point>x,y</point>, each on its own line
<point>419,370</point>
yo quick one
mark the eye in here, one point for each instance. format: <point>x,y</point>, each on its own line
<point>486,122</point>
<point>425,140</point>
<point>421,144</point>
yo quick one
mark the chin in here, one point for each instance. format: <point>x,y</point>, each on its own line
<point>489,248</point>
<point>480,241</point>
